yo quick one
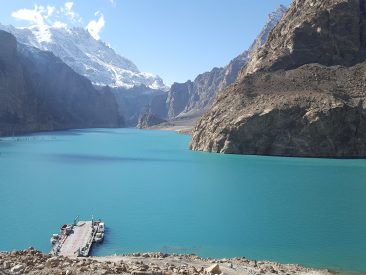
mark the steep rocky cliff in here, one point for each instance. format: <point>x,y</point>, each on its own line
<point>148,120</point>
<point>192,98</point>
<point>138,101</point>
<point>302,94</point>
<point>273,19</point>
<point>12,91</point>
<point>39,92</point>
<point>329,32</point>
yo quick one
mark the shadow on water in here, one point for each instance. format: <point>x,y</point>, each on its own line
<point>73,132</point>
<point>77,132</point>
<point>343,272</point>
<point>103,131</point>
<point>79,158</point>
<point>179,249</point>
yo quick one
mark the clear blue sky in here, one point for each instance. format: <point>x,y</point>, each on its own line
<point>176,39</point>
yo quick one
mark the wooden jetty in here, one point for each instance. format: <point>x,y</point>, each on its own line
<point>76,240</point>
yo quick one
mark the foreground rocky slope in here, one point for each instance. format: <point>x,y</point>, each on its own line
<point>34,262</point>
<point>39,92</point>
<point>302,94</point>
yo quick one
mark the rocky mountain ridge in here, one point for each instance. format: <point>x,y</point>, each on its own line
<point>302,93</point>
<point>323,32</point>
<point>192,98</point>
<point>273,19</point>
<point>136,97</point>
<point>91,58</point>
<point>41,93</point>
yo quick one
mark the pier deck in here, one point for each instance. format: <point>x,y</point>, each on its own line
<point>76,240</point>
<point>81,236</point>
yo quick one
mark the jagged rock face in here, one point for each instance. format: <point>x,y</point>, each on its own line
<point>137,101</point>
<point>231,71</point>
<point>69,98</point>
<point>328,32</point>
<point>12,91</point>
<point>194,98</point>
<point>41,93</point>
<point>158,105</point>
<point>149,120</point>
<point>178,98</point>
<point>272,22</point>
<point>279,106</point>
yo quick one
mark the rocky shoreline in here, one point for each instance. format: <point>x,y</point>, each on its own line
<point>31,261</point>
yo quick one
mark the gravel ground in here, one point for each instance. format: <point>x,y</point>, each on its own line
<point>31,261</point>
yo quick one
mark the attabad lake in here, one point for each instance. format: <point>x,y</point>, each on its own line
<point>154,194</point>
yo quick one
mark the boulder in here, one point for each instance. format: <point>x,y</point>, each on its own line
<point>6,265</point>
<point>17,269</point>
<point>213,269</point>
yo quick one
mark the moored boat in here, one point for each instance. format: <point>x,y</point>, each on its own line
<point>99,228</point>
<point>99,237</point>
<point>55,238</point>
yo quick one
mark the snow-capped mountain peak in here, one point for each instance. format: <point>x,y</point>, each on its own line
<point>91,58</point>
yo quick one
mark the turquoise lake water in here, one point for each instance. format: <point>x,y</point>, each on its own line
<point>156,195</point>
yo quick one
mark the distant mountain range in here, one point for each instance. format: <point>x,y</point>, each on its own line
<point>91,58</point>
<point>192,98</point>
<point>60,78</point>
